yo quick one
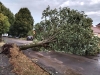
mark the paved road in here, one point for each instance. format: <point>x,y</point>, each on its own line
<point>16,41</point>
<point>5,66</point>
<point>59,63</point>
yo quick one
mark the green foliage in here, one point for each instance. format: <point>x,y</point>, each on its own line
<point>4,24</point>
<point>72,31</point>
<point>23,23</point>
<point>30,33</point>
<point>7,13</point>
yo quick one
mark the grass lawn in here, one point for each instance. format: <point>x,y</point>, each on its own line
<point>23,65</point>
<point>1,44</point>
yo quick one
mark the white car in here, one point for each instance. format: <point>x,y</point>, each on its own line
<point>5,35</point>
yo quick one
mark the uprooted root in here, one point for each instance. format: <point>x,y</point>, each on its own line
<point>6,49</point>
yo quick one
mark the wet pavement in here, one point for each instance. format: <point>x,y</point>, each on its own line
<point>59,63</point>
<point>16,41</point>
<point>53,62</point>
<point>5,66</point>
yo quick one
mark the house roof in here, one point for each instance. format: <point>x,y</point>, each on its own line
<point>98,25</point>
<point>95,29</point>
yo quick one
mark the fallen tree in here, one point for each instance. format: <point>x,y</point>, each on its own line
<point>65,30</point>
<point>45,43</point>
<point>74,36</point>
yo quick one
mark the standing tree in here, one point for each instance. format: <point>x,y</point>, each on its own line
<point>23,23</point>
<point>4,25</point>
<point>7,13</point>
<point>69,31</point>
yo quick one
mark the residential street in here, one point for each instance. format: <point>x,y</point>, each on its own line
<point>16,41</point>
<point>56,63</point>
<point>49,37</point>
<point>5,66</point>
<point>60,63</point>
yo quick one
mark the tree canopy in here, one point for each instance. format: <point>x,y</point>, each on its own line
<point>4,25</point>
<point>23,23</point>
<point>4,10</point>
<point>69,30</point>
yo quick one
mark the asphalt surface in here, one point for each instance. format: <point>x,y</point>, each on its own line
<point>56,63</point>
<point>59,63</point>
<point>16,41</point>
<point>5,66</point>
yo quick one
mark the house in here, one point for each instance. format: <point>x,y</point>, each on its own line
<point>96,30</point>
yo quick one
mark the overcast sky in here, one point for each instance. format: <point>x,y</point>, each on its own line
<point>90,7</point>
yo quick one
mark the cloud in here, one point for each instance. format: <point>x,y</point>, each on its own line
<point>92,2</point>
<point>72,3</point>
<point>90,7</point>
<point>95,16</point>
<point>93,13</point>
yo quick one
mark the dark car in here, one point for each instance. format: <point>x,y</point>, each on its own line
<point>29,38</point>
<point>9,36</point>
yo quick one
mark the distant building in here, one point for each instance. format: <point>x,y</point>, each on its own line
<point>96,30</point>
<point>98,25</point>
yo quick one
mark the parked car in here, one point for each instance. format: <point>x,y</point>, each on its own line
<point>9,36</point>
<point>5,35</point>
<point>29,38</point>
<point>16,37</point>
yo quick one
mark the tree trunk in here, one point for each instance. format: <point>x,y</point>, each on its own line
<point>1,38</point>
<point>43,43</point>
